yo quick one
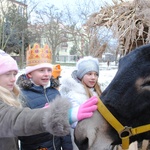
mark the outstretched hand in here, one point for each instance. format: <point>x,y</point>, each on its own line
<point>86,109</point>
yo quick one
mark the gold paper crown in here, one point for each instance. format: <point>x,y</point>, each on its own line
<point>37,55</point>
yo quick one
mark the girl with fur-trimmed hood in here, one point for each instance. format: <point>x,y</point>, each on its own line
<point>17,121</point>
<point>83,83</point>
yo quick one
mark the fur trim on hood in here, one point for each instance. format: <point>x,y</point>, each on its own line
<point>74,90</point>
<point>58,122</point>
<point>71,84</point>
<point>24,82</point>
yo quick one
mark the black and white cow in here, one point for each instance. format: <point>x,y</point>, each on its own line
<point>128,99</point>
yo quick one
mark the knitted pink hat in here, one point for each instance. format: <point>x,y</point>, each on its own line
<point>7,63</point>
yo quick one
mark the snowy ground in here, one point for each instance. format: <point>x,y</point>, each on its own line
<point>106,73</point>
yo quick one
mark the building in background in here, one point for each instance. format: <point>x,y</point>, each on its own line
<point>5,4</point>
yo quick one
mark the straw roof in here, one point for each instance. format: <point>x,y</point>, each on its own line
<point>129,21</point>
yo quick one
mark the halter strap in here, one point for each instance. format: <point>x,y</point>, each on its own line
<point>129,131</point>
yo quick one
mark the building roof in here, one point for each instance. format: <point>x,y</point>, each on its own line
<point>20,3</point>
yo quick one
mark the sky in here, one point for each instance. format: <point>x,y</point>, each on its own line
<point>72,3</point>
<point>60,3</point>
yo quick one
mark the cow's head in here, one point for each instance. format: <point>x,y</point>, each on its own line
<point>127,97</point>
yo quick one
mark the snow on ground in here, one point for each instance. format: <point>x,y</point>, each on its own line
<point>106,73</point>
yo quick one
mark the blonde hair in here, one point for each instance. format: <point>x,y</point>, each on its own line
<point>96,88</point>
<point>10,98</point>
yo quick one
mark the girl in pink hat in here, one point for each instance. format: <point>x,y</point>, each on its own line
<point>17,121</point>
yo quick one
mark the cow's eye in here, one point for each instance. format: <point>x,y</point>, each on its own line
<point>146,84</point>
<point>143,84</point>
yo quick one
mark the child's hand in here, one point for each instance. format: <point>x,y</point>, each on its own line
<point>86,109</point>
<point>83,111</point>
<point>46,105</point>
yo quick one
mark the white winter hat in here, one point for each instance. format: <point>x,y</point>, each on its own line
<point>87,64</point>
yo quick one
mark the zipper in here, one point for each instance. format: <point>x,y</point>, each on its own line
<point>48,103</point>
<point>46,96</point>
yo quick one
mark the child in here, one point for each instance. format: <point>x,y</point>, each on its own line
<point>38,90</point>
<point>56,71</point>
<point>17,121</point>
<point>83,84</point>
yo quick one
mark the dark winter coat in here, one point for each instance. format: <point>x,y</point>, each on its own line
<point>36,97</point>
<point>16,122</point>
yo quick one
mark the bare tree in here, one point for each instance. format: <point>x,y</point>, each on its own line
<point>57,28</point>
<point>90,42</point>
<point>14,33</point>
<point>10,24</point>
<point>53,29</point>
